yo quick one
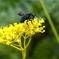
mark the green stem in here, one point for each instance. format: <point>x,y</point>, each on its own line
<point>24,54</point>
<point>16,47</point>
<point>25,46</point>
<point>49,19</point>
<point>24,50</point>
<point>27,43</point>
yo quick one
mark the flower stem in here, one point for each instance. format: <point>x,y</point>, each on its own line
<point>24,51</point>
<point>15,47</point>
<point>28,43</point>
<point>49,19</point>
<point>25,46</point>
<point>24,54</point>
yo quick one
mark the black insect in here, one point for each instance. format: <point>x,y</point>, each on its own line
<point>26,16</point>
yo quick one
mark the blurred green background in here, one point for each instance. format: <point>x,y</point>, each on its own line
<point>42,46</point>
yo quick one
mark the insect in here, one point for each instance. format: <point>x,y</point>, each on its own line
<point>26,16</point>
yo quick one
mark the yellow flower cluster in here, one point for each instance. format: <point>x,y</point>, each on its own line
<point>12,34</point>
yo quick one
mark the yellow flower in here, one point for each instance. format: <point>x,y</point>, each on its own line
<point>13,33</point>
